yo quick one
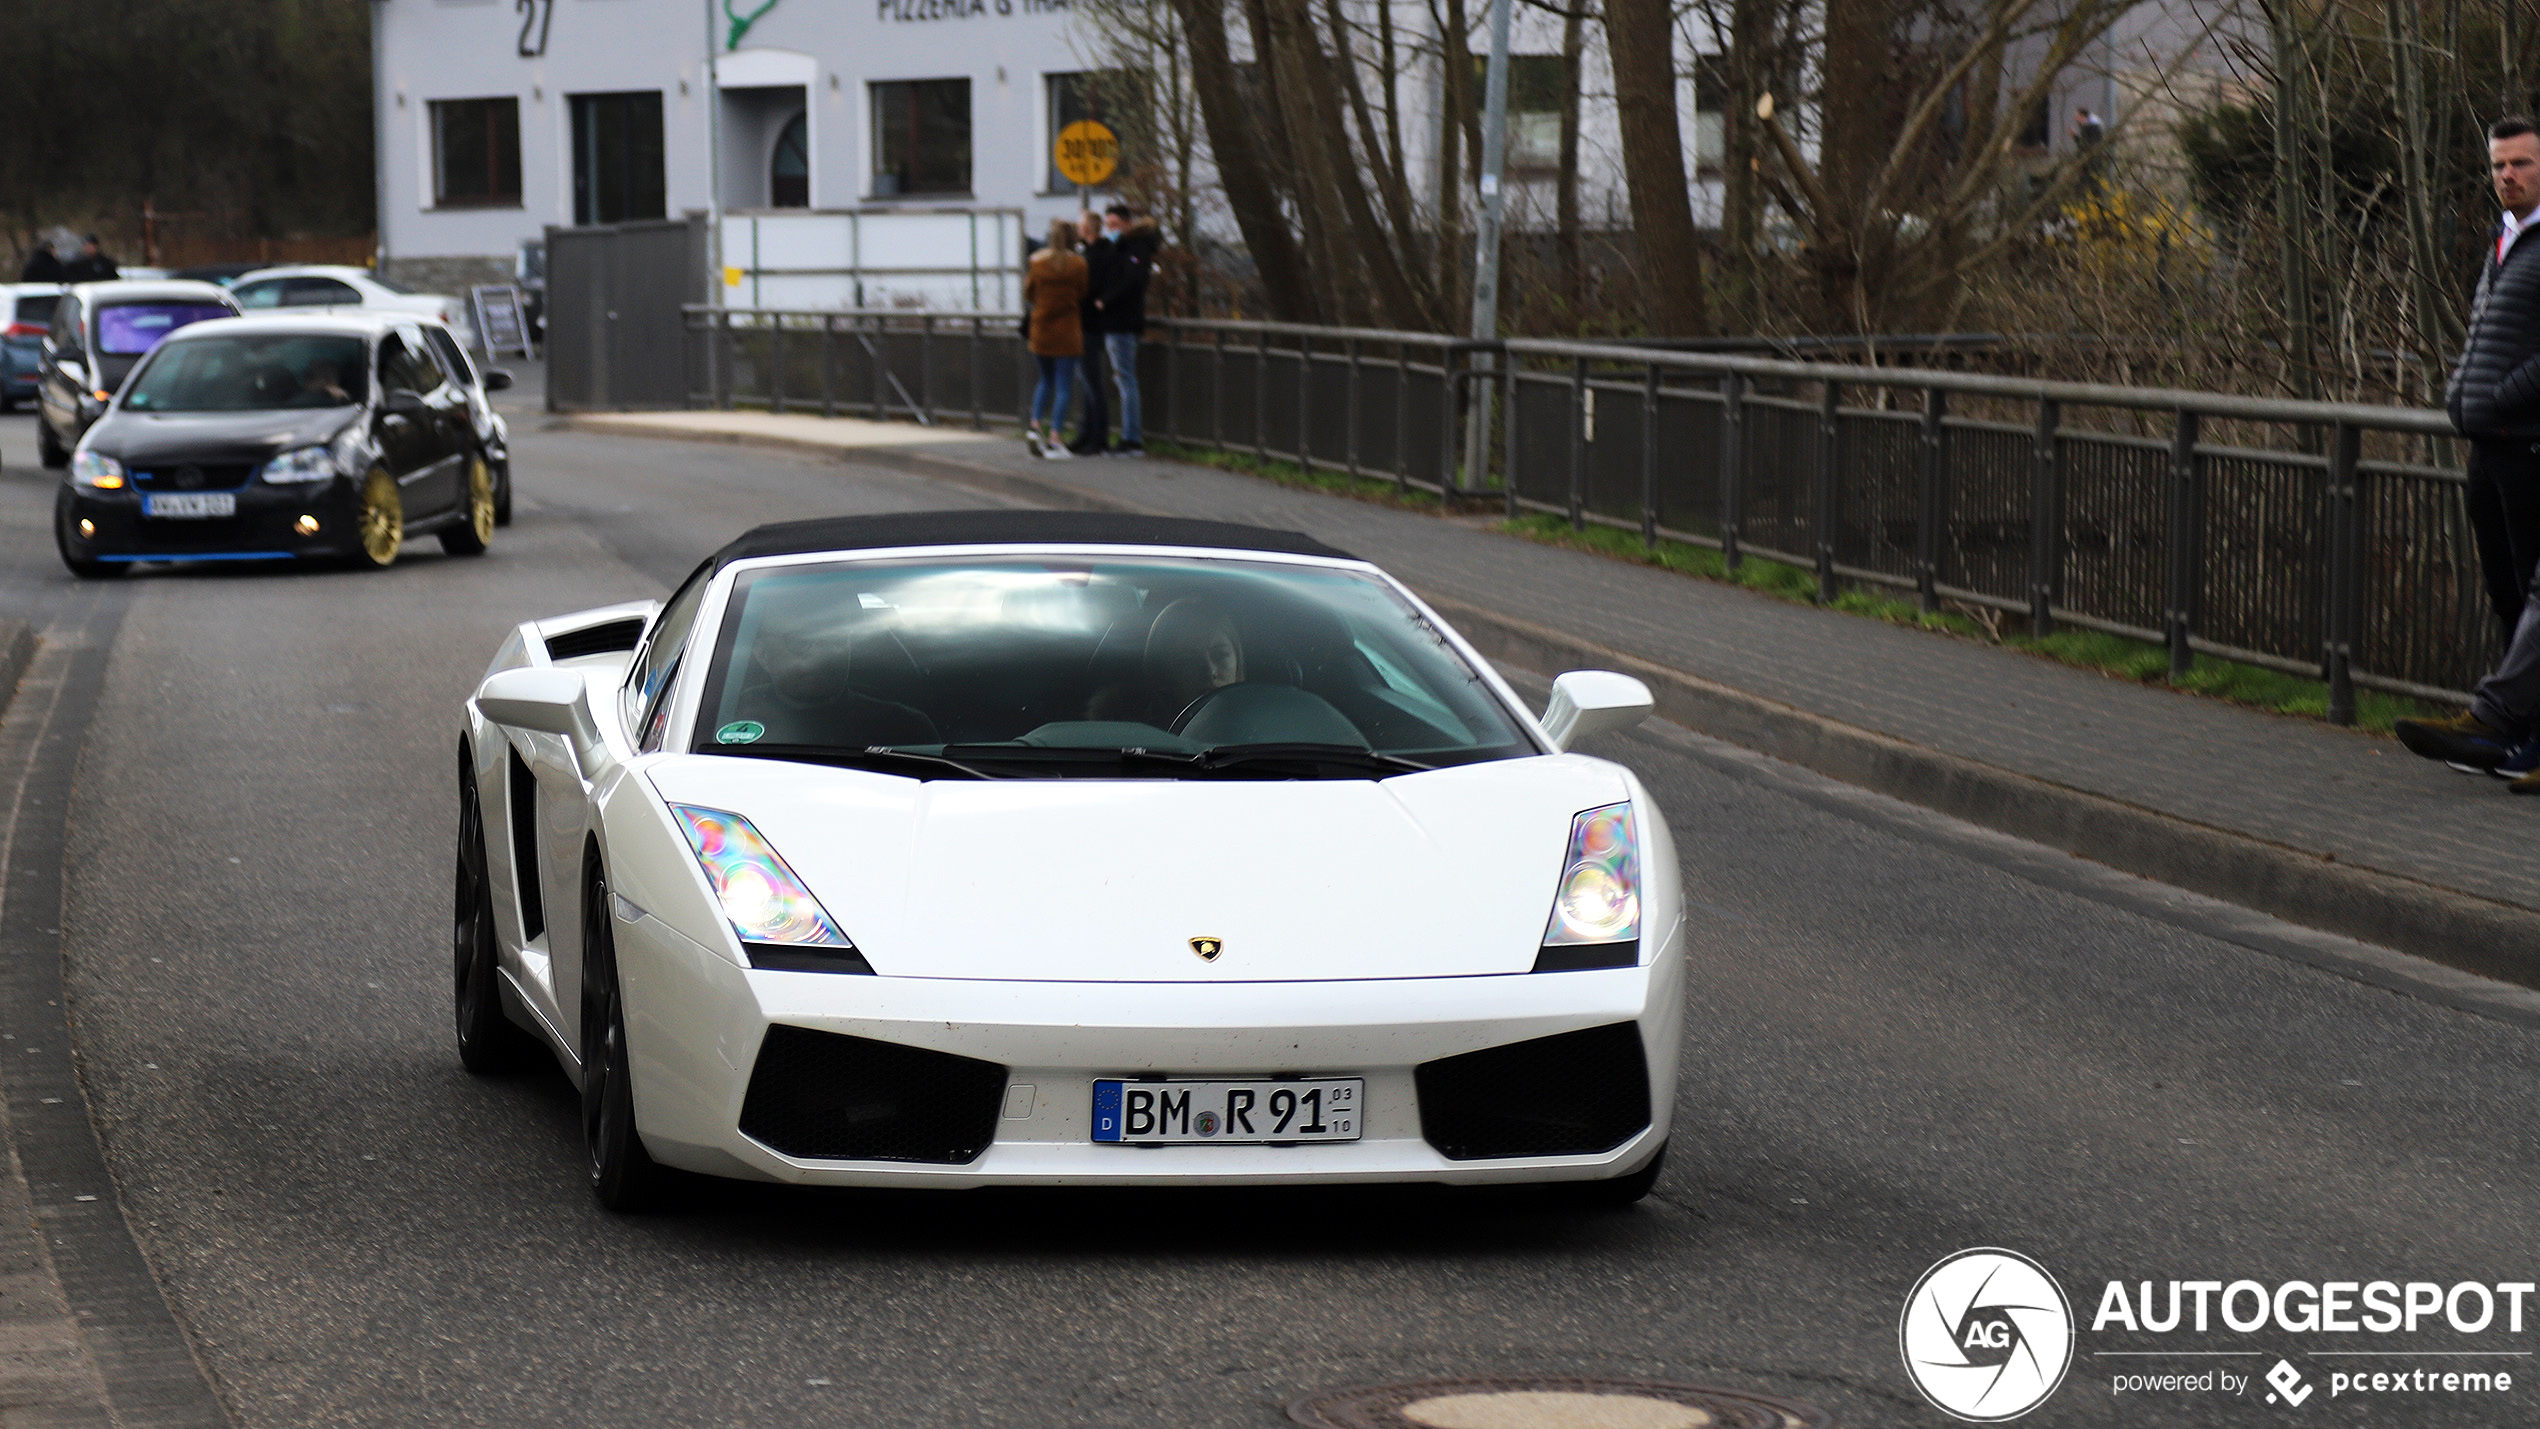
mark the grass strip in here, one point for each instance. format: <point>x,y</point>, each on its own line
<point>1380,490</point>
<point>2114,655</point>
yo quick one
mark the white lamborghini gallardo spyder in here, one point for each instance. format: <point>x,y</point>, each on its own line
<point>1063,848</point>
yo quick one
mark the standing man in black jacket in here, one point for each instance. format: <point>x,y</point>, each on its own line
<point>1134,241</point>
<point>2494,401</point>
<point>1093,435</point>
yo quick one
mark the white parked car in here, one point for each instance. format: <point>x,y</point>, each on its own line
<point>1063,848</point>
<point>330,287</point>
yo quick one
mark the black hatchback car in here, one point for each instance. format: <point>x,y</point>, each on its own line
<point>99,333</point>
<point>279,438</point>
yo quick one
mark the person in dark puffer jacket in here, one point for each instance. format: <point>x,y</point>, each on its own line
<point>2494,402</point>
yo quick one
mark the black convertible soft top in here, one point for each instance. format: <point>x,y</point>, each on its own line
<point>1010,527</point>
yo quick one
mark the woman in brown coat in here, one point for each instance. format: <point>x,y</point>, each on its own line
<point>1053,289</point>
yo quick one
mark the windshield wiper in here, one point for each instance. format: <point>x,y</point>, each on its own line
<point>1256,760</point>
<point>877,758</point>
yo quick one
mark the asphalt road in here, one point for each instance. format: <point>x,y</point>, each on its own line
<point>1907,1037</point>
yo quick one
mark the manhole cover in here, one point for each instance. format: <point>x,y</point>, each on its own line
<point>1552,1402</point>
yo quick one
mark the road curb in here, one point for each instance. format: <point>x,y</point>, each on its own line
<point>2456,929</point>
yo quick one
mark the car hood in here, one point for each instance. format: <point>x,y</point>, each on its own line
<point>1448,873</point>
<point>145,437</point>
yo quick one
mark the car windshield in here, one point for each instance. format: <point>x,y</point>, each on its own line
<point>131,329</point>
<point>250,373</point>
<point>1026,667</point>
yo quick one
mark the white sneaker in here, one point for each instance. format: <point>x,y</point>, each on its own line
<point>1057,451</point>
<point>1032,441</point>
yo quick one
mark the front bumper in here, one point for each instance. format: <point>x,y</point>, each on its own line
<point>696,1021</point>
<point>264,529</point>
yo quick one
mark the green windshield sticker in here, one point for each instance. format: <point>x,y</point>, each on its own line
<point>740,731</point>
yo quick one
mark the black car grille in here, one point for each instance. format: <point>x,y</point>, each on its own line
<point>1574,1094</point>
<point>820,1096</point>
<point>191,476</point>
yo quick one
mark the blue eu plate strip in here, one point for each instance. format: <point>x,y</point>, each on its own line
<point>1106,1111</point>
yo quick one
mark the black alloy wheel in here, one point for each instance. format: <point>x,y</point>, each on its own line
<point>489,1042</point>
<point>623,1175</point>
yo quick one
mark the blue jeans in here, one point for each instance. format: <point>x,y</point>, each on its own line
<point>1122,348</point>
<point>1051,393</point>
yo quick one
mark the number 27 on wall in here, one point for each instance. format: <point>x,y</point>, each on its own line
<point>537,15</point>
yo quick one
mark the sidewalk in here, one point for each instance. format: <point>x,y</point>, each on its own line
<point>2318,825</point>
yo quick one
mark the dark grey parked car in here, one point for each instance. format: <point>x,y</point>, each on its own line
<point>99,333</point>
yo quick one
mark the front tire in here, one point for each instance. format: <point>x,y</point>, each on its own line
<point>488,1042</point>
<point>623,1175</point>
<point>48,448</point>
<point>471,537</point>
<point>503,493</point>
<point>382,522</point>
<point>84,567</point>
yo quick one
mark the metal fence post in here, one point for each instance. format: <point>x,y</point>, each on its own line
<point>1578,443</point>
<point>1402,419</point>
<point>926,369</point>
<point>2345,569</point>
<point>2046,520</point>
<point>1305,402</point>
<point>1930,471</point>
<point>978,400</point>
<point>2187,543</point>
<point>721,337</point>
<point>1508,435</point>
<point>1649,458</point>
<point>1350,447</point>
<point>1450,398</point>
<point>876,349</point>
<point>1261,398</point>
<point>776,363</point>
<point>1829,503</point>
<point>1732,465</point>
<point>828,364</point>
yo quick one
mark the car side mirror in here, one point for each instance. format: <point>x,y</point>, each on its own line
<point>497,379</point>
<point>1587,703</point>
<point>544,699</point>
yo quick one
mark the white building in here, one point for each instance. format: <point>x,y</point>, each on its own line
<point>499,117</point>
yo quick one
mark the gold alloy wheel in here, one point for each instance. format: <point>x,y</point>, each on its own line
<point>383,520</point>
<point>480,501</point>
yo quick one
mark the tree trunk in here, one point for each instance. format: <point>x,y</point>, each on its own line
<point>1641,41</point>
<point>1566,186</point>
<point>1455,77</point>
<point>1241,169</point>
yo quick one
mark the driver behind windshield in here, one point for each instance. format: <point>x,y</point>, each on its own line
<point>1193,649</point>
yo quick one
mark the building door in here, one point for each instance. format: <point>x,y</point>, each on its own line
<point>789,168</point>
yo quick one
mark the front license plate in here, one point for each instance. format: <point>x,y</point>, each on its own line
<point>190,505</point>
<point>1244,1113</point>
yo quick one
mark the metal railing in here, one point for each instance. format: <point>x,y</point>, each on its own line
<point>2320,539</point>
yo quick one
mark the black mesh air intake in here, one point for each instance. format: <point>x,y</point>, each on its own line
<point>1574,1094</point>
<point>819,1096</point>
<point>607,637</point>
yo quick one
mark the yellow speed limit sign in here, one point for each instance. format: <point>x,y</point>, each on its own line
<point>1088,152</point>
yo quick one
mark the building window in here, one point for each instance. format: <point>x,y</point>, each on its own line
<point>475,153</point>
<point>1534,110</point>
<point>1710,115</point>
<point>1117,98</point>
<point>617,173</point>
<point>789,169</point>
<point>921,137</point>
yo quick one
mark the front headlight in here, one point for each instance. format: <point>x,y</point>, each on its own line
<point>763,899</point>
<point>96,471</point>
<point>1599,899</point>
<point>301,465</point>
